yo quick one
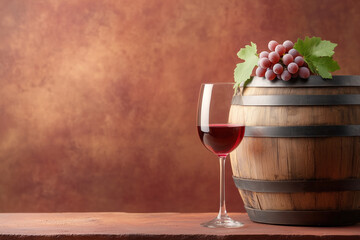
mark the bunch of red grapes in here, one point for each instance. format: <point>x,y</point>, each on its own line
<point>283,62</point>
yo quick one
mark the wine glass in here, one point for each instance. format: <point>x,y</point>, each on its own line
<point>220,136</point>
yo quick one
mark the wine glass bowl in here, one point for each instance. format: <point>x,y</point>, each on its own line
<point>221,139</point>
<point>219,135</point>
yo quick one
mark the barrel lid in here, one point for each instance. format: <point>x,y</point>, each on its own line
<point>312,81</point>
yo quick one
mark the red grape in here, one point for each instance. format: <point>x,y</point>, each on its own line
<point>293,68</point>
<point>286,76</point>
<point>272,44</point>
<point>287,59</point>
<point>299,60</point>
<point>280,49</point>
<point>260,72</point>
<point>294,53</point>
<point>282,62</point>
<point>278,68</point>
<point>288,45</point>
<point>264,54</point>
<point>270,75</point>
<point>274,57</point>
<point>264,63</point>
<point>304,72</point>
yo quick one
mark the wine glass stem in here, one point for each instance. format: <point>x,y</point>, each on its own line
<point>222,211</point>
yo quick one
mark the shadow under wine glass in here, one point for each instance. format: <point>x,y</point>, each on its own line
<point>220,132</point>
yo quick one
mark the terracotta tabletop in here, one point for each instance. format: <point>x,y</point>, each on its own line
<point>153,226</point>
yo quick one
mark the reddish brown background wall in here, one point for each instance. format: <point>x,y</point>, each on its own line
<point>98,98</point>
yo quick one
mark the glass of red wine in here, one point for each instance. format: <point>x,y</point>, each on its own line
<point>220,135</point>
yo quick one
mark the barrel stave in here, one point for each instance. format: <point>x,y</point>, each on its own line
<point>300,158</point>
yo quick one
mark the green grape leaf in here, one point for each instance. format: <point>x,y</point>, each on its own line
<point>305,47</point>
<point>243,70</point>
<point>315,47</point>
<point>323,65</point>
<point>324,49</point>
<point>318,55</point>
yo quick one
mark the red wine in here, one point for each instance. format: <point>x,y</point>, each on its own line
<point>221,139</point>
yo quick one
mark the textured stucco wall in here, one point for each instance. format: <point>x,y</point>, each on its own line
<point>98,98</point>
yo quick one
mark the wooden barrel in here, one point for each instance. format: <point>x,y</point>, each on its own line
<point>299,162</point>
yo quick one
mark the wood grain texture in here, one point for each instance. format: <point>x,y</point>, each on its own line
<point>98,98</point>
<point>302,115</point>
<point>174,226</point>
<point>298,158</point>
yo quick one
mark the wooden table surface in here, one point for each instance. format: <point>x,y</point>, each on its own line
<point>153,226</point>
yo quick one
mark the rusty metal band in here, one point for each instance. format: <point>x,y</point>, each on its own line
<point>303,131</point>
<point>305,218</point>
<point>298,100</point>
<point>313,81</point>
<point>292,186</point>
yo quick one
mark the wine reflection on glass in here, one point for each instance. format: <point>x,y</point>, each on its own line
<point>220,136</point>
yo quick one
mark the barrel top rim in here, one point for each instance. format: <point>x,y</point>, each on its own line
<point>313,81</point>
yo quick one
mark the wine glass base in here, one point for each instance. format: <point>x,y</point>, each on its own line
<point>224,222</point>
